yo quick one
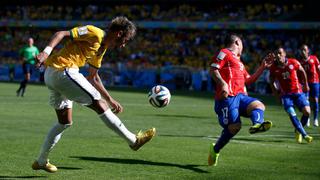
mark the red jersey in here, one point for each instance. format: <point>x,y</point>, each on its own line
<point>287,76</point>
<point>311,66</point>
<point>232,72</point>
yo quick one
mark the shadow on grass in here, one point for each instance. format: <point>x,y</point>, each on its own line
<point>192,167</point>
<point>69,168</point>
<point>259,140</point>
<point>182,135</point>
<point>21,177</point>
<point>182,116</point>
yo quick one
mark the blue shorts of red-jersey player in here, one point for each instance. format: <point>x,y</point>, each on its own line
<point>229,110</point>
<point>314,90</point>
<point>296,99</point>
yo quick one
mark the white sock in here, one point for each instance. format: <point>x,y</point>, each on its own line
<point>52,138</point>
<point>114,123</point>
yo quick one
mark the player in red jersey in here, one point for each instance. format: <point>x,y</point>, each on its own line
<point>310,63</point>
<point>231,99</point>
<point>285,71</point>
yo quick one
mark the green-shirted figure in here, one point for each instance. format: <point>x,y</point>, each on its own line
<point>27,54</point>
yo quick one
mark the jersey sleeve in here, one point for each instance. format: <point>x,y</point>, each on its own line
<point>246,74</point>
<point>316,61</point>
<point>85,33</point>
<point>219,60</point>
<point>296,64</point>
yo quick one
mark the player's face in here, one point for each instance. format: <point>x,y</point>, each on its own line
<point>119,41</point>
<point>240,46</point>
<point>30,41</point>
<point>280,56</point>
<point>304,51</point>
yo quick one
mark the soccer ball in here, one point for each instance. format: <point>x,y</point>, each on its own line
<point>159,96</point>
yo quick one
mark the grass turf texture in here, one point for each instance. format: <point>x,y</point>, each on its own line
<point>90,150</point>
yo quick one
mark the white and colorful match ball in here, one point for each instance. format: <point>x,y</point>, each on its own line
<point>159,96</point>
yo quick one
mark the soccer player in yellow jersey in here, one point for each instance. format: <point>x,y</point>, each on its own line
<point>87,44</point>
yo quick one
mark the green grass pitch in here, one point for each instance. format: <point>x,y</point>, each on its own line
<point>185,128</point>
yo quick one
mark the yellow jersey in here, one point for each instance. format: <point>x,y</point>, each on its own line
<point>81,49</point>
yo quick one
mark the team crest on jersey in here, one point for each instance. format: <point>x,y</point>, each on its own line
<point>221,55</point>
<point>290,66</point>
<point>311,60</point>
<point>82,30</point>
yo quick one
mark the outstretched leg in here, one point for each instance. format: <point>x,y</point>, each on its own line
<point>54,135</point>
<point>226,135</point>
<point>256,112</point>
<point>114,123</point>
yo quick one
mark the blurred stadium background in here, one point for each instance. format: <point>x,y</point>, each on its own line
<point>176,38</point>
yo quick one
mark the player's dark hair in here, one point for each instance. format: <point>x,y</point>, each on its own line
<point>231,38</point>
<point>302,45</point>
<point>122,23</point>
<point>276,49</point>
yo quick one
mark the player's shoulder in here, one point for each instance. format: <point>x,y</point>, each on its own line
<point>222,53</point>
<point>293,61</point>
<point>93,28</point>
<point>313,57</point>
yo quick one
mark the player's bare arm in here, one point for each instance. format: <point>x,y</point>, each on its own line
<point>266,63</point>
<point>56,38</point>
<point>218,79</point>
<point>304,80</point>
<point>274,88</point>
<point>95,80</point>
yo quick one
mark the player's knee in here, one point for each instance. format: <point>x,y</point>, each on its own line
<point>234,128</point>
<point>67,125</point>
<point>99,106</point>
<point>291,111</point>
<point>255,105</point>
<point>306,111</point>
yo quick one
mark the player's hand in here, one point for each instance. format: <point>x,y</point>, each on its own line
<point>41,57</point>
<point>115,106</point>
<point>224,91</point>
<point>305,88</point>
<point>268,60</point>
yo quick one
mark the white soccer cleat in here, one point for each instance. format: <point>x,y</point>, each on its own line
<point>308,123</point>
<point>316,123</point>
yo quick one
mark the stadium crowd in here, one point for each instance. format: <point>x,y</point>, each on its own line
<point>154,48</point>
<point>259,11</point>
<point>170,47</point>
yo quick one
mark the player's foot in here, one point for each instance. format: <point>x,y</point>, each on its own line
<point>18,92</point>
<point>265,126</point>
<point>47,167</point>
<point>298,137</point>
<point>308,138</point>
<point>142,138</point>
<point>213,156</point>
<point>308,123</point>
<point>316,123</point>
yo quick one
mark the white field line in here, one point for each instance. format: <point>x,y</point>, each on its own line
<point>269,144</point>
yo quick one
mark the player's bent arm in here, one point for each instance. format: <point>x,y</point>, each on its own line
<point>95,80</point>
<point>215,74</point>
<point>56,38</point>
<point>266,63</point>
<point>303,79</point>
<point>253,78</point>
<point>274,89</point>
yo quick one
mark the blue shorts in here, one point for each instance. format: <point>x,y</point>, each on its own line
<point>297,99</point>
<point>229,110</point>
<point>27,68</point>
<point>314,90</point>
